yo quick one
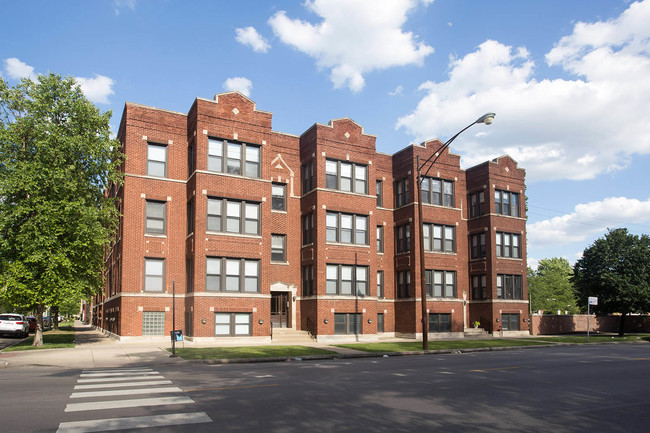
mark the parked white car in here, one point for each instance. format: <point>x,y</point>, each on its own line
<point>14,324</point>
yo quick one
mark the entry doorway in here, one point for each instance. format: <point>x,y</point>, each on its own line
<point>280,310</point>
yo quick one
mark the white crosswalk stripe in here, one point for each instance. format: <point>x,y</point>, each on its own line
<point>116,388</point>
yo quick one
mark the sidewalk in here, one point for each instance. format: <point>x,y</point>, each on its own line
<point>96,350</point>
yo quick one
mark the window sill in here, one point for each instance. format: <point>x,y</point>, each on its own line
<point>280,263</point>
<point>151,235</point>
<point>234,235</point>
<point>278,211</point>
<point>339,244</point>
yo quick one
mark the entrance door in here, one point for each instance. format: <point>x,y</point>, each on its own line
<point>280,314</point>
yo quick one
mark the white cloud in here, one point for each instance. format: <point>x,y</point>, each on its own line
<point>243,85</point>
<point>574,128</point>
<point>587,220</point>
<point>249,36</point>
<point>16,69</point>
<point>354,37</point>
<point>397,92</point>
<point>96,89</point>
<point>118,5</point>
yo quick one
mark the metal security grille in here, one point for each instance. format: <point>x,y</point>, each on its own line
<point>153,323</point>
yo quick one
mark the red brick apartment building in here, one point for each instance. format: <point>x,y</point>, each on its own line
<point>254,228</point>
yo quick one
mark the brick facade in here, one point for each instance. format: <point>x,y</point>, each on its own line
<point>207,179</point>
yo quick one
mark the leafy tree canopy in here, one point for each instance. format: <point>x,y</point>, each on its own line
<point>616,269</point>
<point>56,161</point>
<point>550,286</point>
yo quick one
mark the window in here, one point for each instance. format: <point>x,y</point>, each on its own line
<point>506,203</point>
<point>508,245</point>
<point>156,160</point>
<point>232,221</point>
<point>190,159</point>
<point>234,158</point>
<point>479,287</point>
<point>346,176</point>
<point>154,275</point>
<point>279,196</point>
<point>440,284</point>
<point>476,201</point>
<point>380,239</point>
<point>153,323</point>
<point>477,245</point>
<point>380,284</point>
<point>346,280</point>
<point>439,322</point>
<point>379,191</point>
<point>509,287</point>
<point>404,284</point>
<point>155,217</point>
<point>307,229</point>
<point>307,177</point>
<point>232,324</point>
<point>347,323</point>
<point>308,280</point>
<point>380,322</point>
<point>190,217</point>
<point>510,321</point>
<point>439,238</point>
<point>278,248</point>
<point>346,228</point>
<point>401,192</point>
<point>438,191</point>
<point>232,275</point>
<point>403,238</point>
<point>189,274</point>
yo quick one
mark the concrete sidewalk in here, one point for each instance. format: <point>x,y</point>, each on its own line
<point>95,350</point>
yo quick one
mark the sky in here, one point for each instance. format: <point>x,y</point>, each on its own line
<point>569,82</point>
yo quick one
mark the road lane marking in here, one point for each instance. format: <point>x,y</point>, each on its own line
<point>113,393</point>
<point>119,373</point>
<point>495,369</point>
<point>118,379</point>
<point>112,370</point>
<point>230,387</point>
<point>123,384</point>
<point>107,424</point>
<point>118,404</point>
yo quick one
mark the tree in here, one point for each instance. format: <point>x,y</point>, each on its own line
<point>56,162</point>
<point>550,286</point>
<point>616,269</point>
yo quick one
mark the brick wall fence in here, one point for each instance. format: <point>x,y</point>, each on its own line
<point>545,324</point>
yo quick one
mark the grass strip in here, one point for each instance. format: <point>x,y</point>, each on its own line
<point>51,340</point>
<point>411,346</point>
<point>248,352</point>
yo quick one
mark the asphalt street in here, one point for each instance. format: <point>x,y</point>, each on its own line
<point>596,388</point>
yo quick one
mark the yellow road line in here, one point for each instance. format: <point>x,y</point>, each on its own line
<point>230,387</point>
<point>493,369</point>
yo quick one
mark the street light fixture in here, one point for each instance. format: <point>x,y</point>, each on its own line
<point>487,119</point>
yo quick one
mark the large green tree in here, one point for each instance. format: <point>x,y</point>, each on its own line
<point>616,269</point>
<point>56,161</point>
<point>550,286</point>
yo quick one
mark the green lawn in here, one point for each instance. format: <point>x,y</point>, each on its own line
<point>249,352</point>
<point>61,339</point>
<point>595,338</point>
<point>440,345</point>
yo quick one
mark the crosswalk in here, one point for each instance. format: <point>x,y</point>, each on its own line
<point>123,388</point>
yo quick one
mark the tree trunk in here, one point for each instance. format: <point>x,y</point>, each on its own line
<point>621,325</point>
<point>38,335</point>
<point>54,317</point>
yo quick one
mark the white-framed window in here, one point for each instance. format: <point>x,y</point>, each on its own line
<point>233,216</point>
<point>154,275</point>
<point>156,160</point>
<point>232,324</point>
<point>231,157</point>
<point>225,274</point>
<point>155,217</point>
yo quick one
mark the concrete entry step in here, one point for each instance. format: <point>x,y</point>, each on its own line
<point>290,336</point>
<point>476,333</point>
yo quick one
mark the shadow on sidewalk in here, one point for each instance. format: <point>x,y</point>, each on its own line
<point>87,335</point>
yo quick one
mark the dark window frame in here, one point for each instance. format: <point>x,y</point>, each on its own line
<point>439,196</point>
<point>340,233</point>
<point>404,288</point>
<point>439,322</point>
<point>339,283</point>
<point>506,203</point>
<point>308,229</point>
<point>338,181</point>
<point>477,245</point>
<point>510,287</point>
<point>221,277</point>
<point>379,191</point>
<point>401,192</point>
<point>380,239</point>
<point>430,240</point>
<point>278,202</point>
<point>479,287</point>
<point>348,323</point>
<point>432,287</point>
<point>279,255</point>
<point>403,238</point>
<point>476,202</point>
<point>233,323</point>
<point>508,319</point>
<point>223,217</point>
<point>308,280</point>
<point>505,245</point>
<point>380,285</point>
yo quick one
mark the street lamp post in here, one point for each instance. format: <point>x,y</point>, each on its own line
<point>487,119</point>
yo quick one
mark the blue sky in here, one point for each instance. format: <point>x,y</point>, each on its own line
<point>569,81</point>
